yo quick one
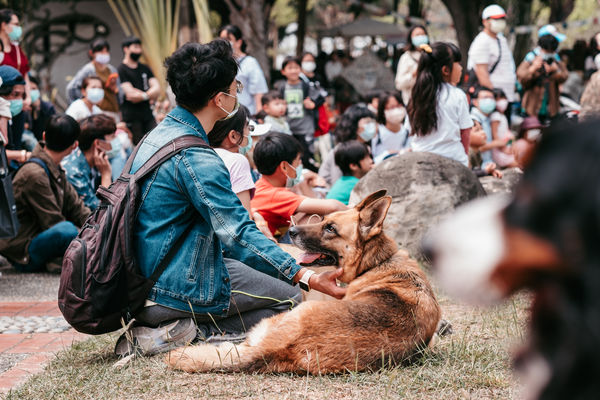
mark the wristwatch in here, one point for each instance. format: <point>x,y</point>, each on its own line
<point>303,282</point>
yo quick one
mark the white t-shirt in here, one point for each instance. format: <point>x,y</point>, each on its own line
<point>78,110</point>
<point>484,50</point>
<point>387,141</point>
<point>453,116</point>
<point>239,171</point>
<point>251,75</point>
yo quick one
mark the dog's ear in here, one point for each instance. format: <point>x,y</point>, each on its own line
<point>371,198</point>
<point>371,216</point>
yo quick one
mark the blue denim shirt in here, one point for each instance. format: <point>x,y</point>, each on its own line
<point>84,178</point>
<point>193,187</point>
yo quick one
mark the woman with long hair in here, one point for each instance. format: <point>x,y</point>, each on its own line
<point>406,74</point>
<point>438,113</point>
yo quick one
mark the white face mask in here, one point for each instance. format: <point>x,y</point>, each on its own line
<point>309,66</point>
<point>497,25</point>
<point>502,105</point>
<point>395,115</point>
<point>102,58</point>
<point>533,134</point>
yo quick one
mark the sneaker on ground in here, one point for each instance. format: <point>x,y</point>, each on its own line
<point>147,341</point>
<point>226,337</point>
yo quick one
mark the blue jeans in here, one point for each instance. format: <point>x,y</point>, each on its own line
<point>48,245</point>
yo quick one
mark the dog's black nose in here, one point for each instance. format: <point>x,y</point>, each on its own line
<point>293,231</point>
<point>427,249</point>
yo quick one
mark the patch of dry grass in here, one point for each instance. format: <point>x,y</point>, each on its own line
<point>473,362</point>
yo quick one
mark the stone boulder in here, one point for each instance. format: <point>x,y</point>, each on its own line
<point>424,187</point>
<point>510,178</point>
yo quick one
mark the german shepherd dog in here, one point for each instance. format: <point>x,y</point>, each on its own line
<point>388,313</point>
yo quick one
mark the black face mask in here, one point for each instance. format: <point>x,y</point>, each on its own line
<point>135,56</point>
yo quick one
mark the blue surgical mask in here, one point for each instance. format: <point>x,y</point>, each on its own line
<point>95,95</point>
<point>294,181</point>
<point>35,95</point>
<point>419,40</point>
<point>487,106</point>
<point>16,106</point>
<point>115,148</point>
<point>15,34</point>
<point>369,131</point>
<point>246,148</point>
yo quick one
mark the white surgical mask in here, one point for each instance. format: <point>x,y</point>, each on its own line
<point>533,134</point>
<point>95,95</point>
<point>395,115</point>
<point>502,105</point>
<point>232,112</point>
<point>497,25</point>
<point>309,66</point>
<point>369,131</point>
<point>102,58</point>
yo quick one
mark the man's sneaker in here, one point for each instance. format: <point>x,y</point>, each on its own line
<point>146,341</point>
<point>234,338</point>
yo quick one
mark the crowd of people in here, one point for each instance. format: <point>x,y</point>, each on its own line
<point>282,153</point>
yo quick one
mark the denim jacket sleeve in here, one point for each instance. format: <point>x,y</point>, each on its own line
<point>203,177</point>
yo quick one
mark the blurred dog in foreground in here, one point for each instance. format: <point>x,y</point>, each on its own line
<point>388,313</point>
<point>546,238</point>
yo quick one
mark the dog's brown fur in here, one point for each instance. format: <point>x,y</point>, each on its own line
<point>388,312</point>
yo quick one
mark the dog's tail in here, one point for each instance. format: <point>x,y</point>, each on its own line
<point>206,357</point>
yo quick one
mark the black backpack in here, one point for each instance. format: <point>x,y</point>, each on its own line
<point>101,286</point>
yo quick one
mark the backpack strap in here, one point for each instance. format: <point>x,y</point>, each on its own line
<point>38,161</point>
<point>499,56</point>
<point>167,151</point>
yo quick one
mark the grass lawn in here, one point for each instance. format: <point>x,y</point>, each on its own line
<point>472,363</point>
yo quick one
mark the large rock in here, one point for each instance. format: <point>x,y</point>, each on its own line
<point>424,187</point>
<point>510,178</point>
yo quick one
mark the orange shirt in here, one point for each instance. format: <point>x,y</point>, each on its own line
<point>276,205</point>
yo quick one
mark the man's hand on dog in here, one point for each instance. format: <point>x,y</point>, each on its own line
<point>325,282</point>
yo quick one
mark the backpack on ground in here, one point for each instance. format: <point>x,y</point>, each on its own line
<point>101,285</point>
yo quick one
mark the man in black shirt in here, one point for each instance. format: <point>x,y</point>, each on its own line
<point>140,87</point>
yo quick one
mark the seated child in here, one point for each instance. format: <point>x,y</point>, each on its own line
<point>354,160</point>
<point>278,158</point>
<point>275,108</point>
<point>477,141</point>
<point>502,156</point>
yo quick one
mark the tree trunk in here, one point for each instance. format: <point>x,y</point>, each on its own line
<point>522,16</point>
<point>252,17</point>
<point>560,9</point>
<point>415,8</point>
<point>466,16</point>
<point>301,32</point>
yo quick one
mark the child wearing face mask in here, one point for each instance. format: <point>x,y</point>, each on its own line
<point>278,157</point>
<point>391,137</point>
<point>438,119</point>
<point>502,155</point>
<point>99,66</point>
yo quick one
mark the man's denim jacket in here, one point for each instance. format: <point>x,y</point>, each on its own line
<point>193,187</point>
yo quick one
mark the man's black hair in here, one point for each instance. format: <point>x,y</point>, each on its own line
<point>548,43</point>
<point>61,132</point>
<point>272,149</point>
<point>347,153</point>
<point>197,72</point>
<point>270,96</point>
<point>290,59</point>
<point>95,127</point>
<point>130,40</point>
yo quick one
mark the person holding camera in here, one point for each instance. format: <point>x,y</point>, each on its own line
<point>541,73</point>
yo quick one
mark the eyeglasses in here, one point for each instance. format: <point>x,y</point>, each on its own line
<point>239,87</point>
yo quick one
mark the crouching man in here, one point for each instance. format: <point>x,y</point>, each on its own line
<point>226,275</point>
<point>49,210</point>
